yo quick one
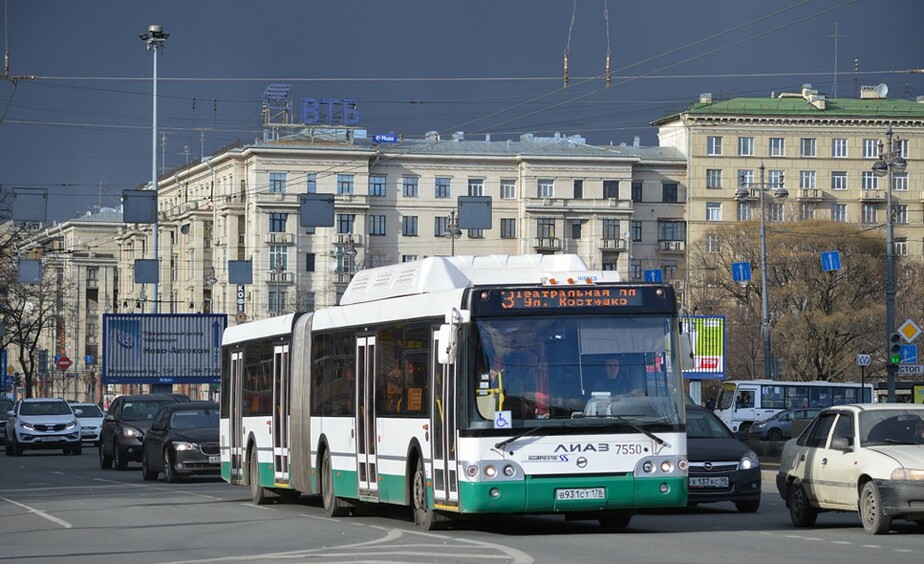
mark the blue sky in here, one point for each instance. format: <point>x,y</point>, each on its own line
<point>82,128</point>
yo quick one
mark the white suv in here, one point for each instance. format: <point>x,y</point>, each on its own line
<point>865,457</point>
<point>42,423</point>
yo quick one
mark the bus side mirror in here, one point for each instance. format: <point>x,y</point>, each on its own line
<point>686,352</point>
<point>448,336</point>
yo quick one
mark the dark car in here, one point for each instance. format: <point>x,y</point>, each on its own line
<point>182,441</point>
<point>6,404</point>
<point>124,426</point>
<point>779,426</point>
<point>722,468</point>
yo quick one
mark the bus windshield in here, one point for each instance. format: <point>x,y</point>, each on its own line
<point>577,368</point>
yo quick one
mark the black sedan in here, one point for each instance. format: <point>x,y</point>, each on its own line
<point>722,468</point>
<point>182,441</point>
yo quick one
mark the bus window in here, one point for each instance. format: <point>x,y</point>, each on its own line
<point>771,397</point>
<point>796,397</point>
<point>745,400</point>
<point>726,396</point>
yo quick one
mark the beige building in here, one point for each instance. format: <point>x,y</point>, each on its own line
<point>821,150</point>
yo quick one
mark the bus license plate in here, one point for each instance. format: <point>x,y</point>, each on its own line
<point>580,493</point>
<point>714,482</point>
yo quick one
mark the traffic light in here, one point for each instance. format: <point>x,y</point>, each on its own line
<point>895,348</point>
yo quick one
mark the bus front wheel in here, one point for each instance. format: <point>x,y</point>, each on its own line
<point>334,506</point>
<point>425,517</point>
<point>259,494</point>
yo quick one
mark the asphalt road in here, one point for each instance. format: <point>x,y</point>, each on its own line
<point>56,508</point>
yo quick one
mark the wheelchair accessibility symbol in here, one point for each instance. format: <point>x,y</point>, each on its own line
<point>502,420</point>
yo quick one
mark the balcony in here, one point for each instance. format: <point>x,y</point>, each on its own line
<point>672,246</point>
<point>280,238</point>
<point>809,195</point>
<point>343,240</point>
<point>614,245</point>
<point>872,195</point>
<point>546,244</point>
<point>284,277</point>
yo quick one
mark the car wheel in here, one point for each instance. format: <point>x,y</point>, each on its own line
<point>77,451</point>
<point>17,448</point>
<point>8,447</point>
<point>170,474</point>
<point>334,506</point>
<point>146,472</point>
<point>801,512</point>
<point>615,520</point>
<point>105,461</point>
<point>874,520</point>
<point>748,506</point>
<point>118,458</point>
<point>424,516</point>
<point>774,434</point>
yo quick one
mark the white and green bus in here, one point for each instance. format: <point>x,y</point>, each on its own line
<point>390,397</point>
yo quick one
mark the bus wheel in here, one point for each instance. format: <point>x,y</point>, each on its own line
<point>615,520</point>
<point>259,494</point>
<point>334,506</point>
<point>424,516</point>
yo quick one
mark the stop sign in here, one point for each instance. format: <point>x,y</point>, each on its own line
<point>63,362</point>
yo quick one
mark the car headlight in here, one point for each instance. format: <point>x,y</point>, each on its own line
<point>748,461</point>
<point>71,425</point>
<point>131,432</point>
<point>180,446</point>
<point>907,474</point>
<point>25,425</point>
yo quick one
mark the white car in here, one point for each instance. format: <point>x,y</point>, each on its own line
<point>91,421</point>
<point>866,458</point>
<point>42,423</point>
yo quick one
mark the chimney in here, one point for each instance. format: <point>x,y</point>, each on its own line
<point>705,98</point>
<point>458,136</point>
<point>636,141</point>
<point>433,136</point>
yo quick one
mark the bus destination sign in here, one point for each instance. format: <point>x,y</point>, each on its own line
<point>569,297</point>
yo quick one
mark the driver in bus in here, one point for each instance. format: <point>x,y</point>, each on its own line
<point>619,381</point>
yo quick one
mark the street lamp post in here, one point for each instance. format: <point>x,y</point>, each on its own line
<point>890,160</point>
<point>744,192</point>
<point>154,38</point>
<point>452,231</point>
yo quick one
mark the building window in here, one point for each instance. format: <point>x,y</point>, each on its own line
<point>277,222</point>
<point>376,225</point>
<point>870,148</point>
<point>901,213</point>
<point>777,147</point>
<point>713,211</point>
<point>713,178</point>
<point>807,211</point>
<point>345,222</point>
<point>277,300</point>
<point>440,226</point>
<point>839,213</point>
<point>475,187</point>
<point>870,181</point>
<point>868,213</point>
<point>746,178</point>
<point>442,185</point>
<point>545,227</point>
<point>775,211</point>
<point>546,188</point>
<point>839,148</point>
<point>745,146</point>
<point>671,231</point>
<point>578,189</point>
<point>744,211</point>
<point>670,269</point>
<point>901,246</point>
<point>409,186</point>
<point>902,147</point>
<point>576,226</point>
<point>476,233</point>
<point>713,145</point>
<point>636,229</point>
<point>775,178</point>
<point>508,189</point>
<point>637,191</point>
<point>669,192</point>
<point>900,181</point>
<point>345,184</point>
<point>806,179</point>
<point>807,147</point>
<point>278,257</point>
<point>610,229</point>
<point>508,228</point>
<point>376,185</point>
<point>309,262</point>
<point>713,243</point>
<point>408,258</point>
<point>839,180</point>
<point>635,269</point>
<point>409,225</point>
<point>611,189</point>
<point>312,183</point>
<point>277,182</point>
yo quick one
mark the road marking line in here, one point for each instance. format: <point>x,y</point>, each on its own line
<point>40,513</point>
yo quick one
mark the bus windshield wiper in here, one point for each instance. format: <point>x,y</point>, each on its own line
<point>638,428</point>
<point>519,435</point>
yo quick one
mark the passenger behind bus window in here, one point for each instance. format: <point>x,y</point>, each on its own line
<point>745,400</point>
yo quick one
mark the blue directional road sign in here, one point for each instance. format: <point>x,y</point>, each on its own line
<point>741,271</point>
<point>654,275</point>
<point>908,354</point>
<point>830,260</point>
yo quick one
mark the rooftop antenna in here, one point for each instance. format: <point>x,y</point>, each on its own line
<point>606,20</point>
<point>856,79</point>
<point>835,36</point>
<point>568,45</point>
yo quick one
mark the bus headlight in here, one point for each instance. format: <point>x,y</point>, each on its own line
<point>509,470</point>
<point>490,471</point>
<point>667,466</point>
<point>647,467</point>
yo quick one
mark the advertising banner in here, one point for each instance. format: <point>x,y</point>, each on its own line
<point>707,333</point>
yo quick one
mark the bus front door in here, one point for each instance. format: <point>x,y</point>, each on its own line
<point>281,414</point>
<point>443,423</point>
<point>365,419</point>
<point>235,414</point>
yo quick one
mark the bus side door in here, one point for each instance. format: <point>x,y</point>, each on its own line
<point>365,418</point>
<point>235,413</point>
<point>281,414</point>
<point>443,422</point>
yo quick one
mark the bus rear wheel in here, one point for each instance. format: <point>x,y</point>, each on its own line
<point>425,517</point>
<point>334,506</point>
<point>259,494</point>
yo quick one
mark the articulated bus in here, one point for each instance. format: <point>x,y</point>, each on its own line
<point>741,403</point>
<point>396,396</point>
